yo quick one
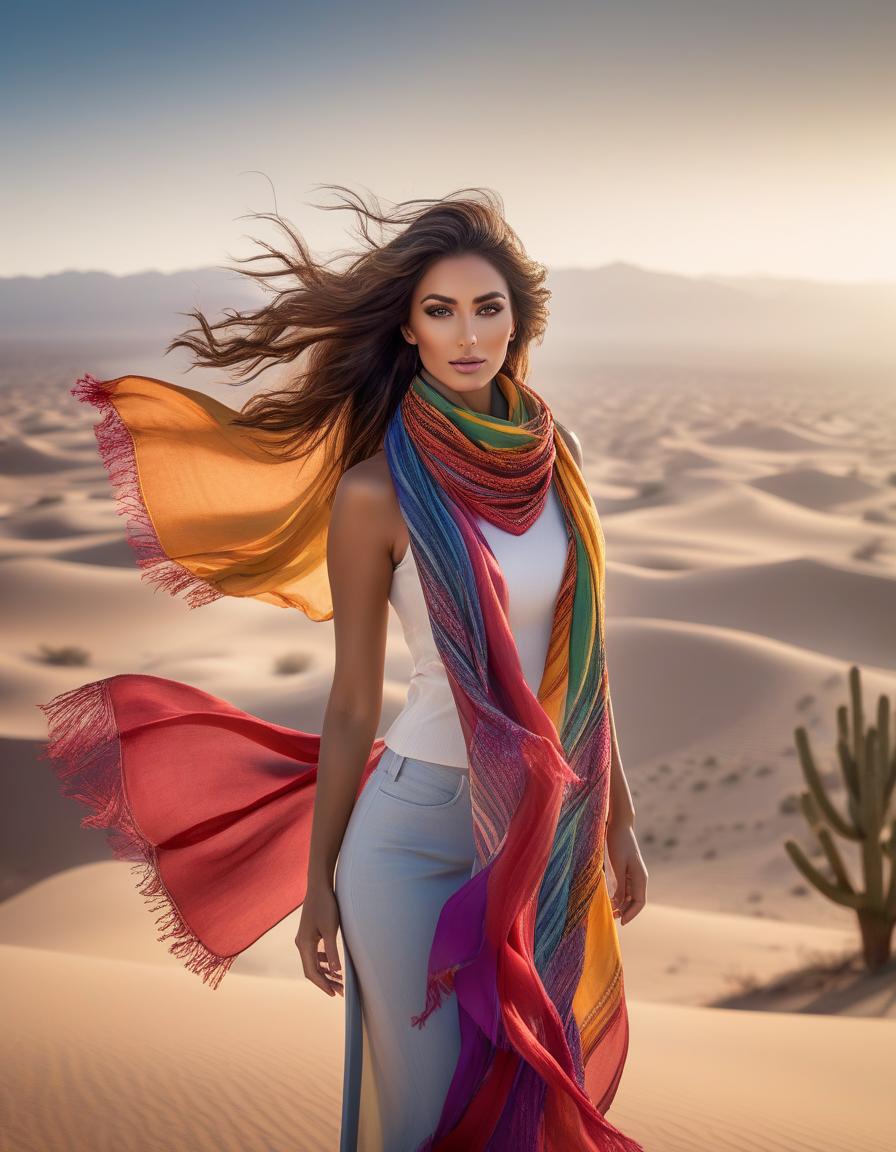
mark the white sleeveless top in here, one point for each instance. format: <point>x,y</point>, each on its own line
<point>428,726</point>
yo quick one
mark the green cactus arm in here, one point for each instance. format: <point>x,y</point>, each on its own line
<point>831,814</point>
<point>890,849</point>
<point>889,846</point>
<point>834,859</point>
<point>891,781</point>
<point>832,891</point>
<point>848,766</point>
<point>858,814</point>
<point>810,811</point>
<point>883,724</point>
<point>886,754</point>
<point>874,820</point>
<point>858,719</point>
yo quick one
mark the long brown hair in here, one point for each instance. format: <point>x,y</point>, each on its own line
<point>358,364</point>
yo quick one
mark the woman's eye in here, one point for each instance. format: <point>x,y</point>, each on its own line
<point>496,308</point>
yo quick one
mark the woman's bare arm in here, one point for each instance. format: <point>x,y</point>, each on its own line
<point>359,562</point>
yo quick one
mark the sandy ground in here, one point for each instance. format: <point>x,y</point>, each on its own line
<point>750,520</point>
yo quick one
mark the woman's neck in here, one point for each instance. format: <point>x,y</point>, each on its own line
<point>489,400</point>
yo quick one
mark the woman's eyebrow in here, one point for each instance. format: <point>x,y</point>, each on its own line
<point>476,299</point>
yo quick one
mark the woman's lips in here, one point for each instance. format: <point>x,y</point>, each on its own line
<point>467,366</point>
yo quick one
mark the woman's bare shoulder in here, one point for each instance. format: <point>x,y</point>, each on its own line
<point>366,491</point>
<point>366,486</point>
<point>371,478</point>
<point>572,442</point>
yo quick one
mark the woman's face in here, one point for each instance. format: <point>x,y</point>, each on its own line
<point>461,310</point>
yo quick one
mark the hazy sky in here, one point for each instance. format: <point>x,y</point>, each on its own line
<point>722,136</point>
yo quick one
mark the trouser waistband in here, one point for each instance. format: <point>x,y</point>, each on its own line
<point>392,761</point>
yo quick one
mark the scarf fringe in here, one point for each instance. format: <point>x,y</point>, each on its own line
<point>85,752</point>
<point>438,986</point>
<point>116,448</point>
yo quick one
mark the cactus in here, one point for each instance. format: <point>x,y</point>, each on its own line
<point>868,766</point>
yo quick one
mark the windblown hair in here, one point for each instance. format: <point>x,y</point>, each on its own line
<point>347,321</point>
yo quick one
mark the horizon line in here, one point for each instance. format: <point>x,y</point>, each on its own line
<point>781,277</point>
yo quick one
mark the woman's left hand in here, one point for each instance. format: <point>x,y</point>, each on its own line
<point>628,868</point>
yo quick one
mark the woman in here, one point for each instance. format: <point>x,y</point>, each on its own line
<point>485,1003</point>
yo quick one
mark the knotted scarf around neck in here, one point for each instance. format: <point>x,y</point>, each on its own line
<point>215,805</point>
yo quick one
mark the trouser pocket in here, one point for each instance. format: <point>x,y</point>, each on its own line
<point>422,783</point>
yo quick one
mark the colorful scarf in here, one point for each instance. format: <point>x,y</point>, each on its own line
<point>215,805</point>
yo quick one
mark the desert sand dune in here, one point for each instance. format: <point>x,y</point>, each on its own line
<point>759,437</point>
<point>52,521</point>
<point>845,615</point>
<point>134,1055</point>
<point>816,489</point>
<point>53,421</point>
<point>22,456</point>
<point>741,524</point>
<point>720,1080</point>
<point>687,460</point>
<point>102,549</point>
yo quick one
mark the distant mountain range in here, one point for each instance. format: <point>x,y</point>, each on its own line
<point>617,305</point>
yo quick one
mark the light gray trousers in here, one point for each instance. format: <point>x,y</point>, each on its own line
<point>407,847</point>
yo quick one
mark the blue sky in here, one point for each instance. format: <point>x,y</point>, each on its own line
<point>698,137</point>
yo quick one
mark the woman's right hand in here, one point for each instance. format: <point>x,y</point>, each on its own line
<point>317,926</point>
